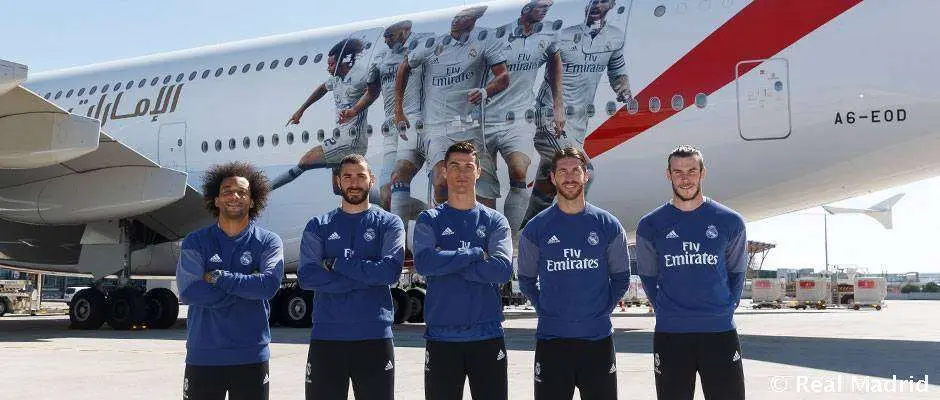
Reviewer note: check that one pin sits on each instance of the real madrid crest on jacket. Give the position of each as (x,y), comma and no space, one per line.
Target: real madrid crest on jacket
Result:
(463,301)
(349,260)
(696,262)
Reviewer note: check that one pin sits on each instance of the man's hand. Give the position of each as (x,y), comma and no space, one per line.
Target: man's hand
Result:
(402,123)
(625,96)
(328,264)
(559,124)
(295,119)
(476,96)
(211,276)
(347,115)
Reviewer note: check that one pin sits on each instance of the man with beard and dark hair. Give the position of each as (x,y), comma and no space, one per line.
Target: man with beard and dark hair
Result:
(692,257)
(464,249)
(578,255)
(349,256)
(227,273)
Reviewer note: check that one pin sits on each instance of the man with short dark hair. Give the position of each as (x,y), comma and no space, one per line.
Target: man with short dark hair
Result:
(352,97)
(692,257)
(348,257)
(574,267)
(227,273)
(464,249)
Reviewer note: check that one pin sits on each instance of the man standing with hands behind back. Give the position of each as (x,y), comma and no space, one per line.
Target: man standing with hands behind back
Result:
(464,249)
(227,273)
(692,257)
(578,255)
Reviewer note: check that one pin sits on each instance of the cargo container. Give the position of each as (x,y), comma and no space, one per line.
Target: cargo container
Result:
(815,292)
(870,292)
(767,292)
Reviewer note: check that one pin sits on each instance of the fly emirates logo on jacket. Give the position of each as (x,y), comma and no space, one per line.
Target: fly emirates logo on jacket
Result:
(691,255)
(571,261)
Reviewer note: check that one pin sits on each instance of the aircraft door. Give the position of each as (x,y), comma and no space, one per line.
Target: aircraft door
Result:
(763,91)
(171,147)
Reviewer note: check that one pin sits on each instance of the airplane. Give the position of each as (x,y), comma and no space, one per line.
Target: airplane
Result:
(794,104)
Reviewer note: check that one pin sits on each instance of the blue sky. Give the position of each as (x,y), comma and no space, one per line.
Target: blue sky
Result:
(48,35)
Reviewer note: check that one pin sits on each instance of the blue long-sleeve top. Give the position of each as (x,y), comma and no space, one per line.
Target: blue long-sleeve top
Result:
(574,268)
(227,322)
(692,264)
(465,255)
(352,300)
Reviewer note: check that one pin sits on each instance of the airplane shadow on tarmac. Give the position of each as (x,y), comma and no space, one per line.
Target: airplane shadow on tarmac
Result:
(872,357)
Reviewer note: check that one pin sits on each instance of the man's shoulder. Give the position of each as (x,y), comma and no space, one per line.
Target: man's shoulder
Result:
(385,217)
(198,235)
(266,236)
(725,214)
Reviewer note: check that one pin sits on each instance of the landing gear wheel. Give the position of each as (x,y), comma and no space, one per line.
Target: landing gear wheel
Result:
(295,307)
(856,307)
(126,308)
(88,309)
(401,304)
(416,300)
(877,308)
(162,308)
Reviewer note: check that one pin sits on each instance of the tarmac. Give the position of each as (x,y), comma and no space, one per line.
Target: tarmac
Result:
(788,354)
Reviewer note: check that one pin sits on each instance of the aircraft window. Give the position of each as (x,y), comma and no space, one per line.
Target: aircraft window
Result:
(429,43)
(273,64)
(369,130)
(659,11)
(482,36)
(218,72)
(260,66)
(81,92)
(142,83)
(218,145)
(166,79)
(288,62)
(231,144)
(654,104)
(317,58)
(205,74)
(205,146)
(633,106)
(589,110)
(701,100)
(70,93)
(419,126)
(611,108)
(117,86)
(246,142)
(105,88)
(569,111)
(275,140)
(180,77)
(386,129)
(260,140)
(193,75)
(678,103)
(246,68)
(129,85)
(232,69)
(681,8)
(154,81)
(48,95)
(529,116)
(305,137)
(302,60)
(93,90)
(337,133)
(57,95)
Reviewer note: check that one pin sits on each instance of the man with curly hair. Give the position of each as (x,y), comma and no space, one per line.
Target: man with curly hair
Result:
(227,273)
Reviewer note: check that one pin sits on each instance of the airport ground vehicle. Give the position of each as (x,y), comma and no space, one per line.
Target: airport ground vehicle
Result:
(18,297)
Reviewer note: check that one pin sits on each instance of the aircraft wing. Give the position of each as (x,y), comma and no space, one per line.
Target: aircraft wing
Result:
(59,174)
